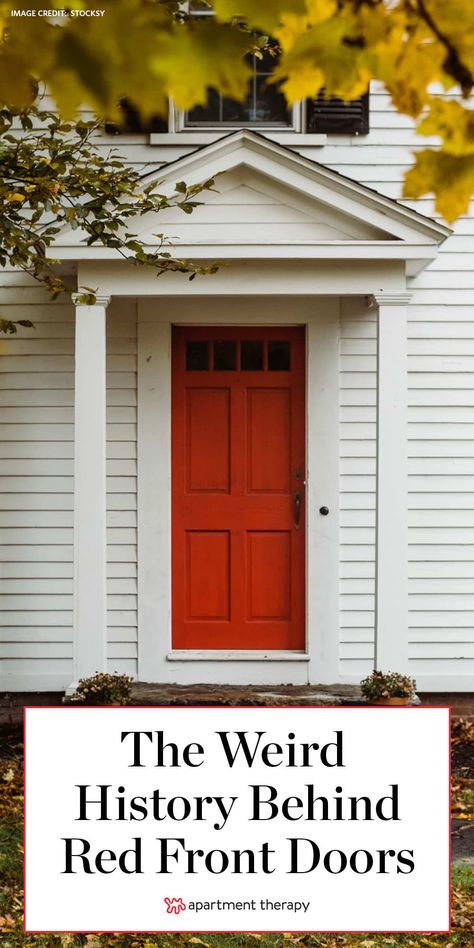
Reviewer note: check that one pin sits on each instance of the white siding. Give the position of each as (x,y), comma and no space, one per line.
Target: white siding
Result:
(357,360)
(36,483)
(441,436)
(36,487)
(441,465)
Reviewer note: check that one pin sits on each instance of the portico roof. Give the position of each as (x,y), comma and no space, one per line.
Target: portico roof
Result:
(270,203)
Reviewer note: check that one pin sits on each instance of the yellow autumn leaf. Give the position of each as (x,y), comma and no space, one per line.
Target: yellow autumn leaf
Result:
(264,15)
(15,196)
(412,73)
(324,50)
(449,177)
(453,123)
(187,64)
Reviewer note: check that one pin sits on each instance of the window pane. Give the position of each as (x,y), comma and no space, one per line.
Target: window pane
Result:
(279,356)
(270,105)
(237,112)
(208,113)
(224,356)
(197,356)
(263,105)
(251,356)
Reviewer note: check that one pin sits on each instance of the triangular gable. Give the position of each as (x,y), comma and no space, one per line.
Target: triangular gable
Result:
(268,196)
(309,179)
(249,206)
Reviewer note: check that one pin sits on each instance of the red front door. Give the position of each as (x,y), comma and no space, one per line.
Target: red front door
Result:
(238,472)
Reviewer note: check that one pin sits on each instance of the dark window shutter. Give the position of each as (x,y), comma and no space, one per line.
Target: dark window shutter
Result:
(133,124)
(336,117)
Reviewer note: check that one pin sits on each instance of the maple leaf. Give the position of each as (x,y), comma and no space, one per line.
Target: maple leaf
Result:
(453,123)
(449,177)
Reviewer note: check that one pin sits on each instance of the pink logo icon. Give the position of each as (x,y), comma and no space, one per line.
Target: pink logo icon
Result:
(174,906)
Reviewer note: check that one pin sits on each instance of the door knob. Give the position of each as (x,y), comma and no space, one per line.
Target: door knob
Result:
(324,511)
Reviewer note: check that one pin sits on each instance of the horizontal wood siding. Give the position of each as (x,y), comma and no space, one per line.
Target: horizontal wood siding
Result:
(440,437)
(357,408)
(36,487)
(441,476)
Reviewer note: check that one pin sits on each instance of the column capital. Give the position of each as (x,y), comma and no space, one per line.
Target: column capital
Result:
(100,300)
(392,299)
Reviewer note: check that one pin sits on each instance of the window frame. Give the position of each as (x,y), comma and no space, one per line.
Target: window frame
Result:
(178,123)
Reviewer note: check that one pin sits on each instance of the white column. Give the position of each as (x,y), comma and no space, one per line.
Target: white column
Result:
(391,596)
(90,613)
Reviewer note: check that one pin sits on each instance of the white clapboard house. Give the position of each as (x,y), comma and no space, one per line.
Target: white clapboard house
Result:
(265,475)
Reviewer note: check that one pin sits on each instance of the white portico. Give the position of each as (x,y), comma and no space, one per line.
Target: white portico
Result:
(296,241)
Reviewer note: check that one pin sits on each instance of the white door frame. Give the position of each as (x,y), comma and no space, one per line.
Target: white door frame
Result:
(156,659)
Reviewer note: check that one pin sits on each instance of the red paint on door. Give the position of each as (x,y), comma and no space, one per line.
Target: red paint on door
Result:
(238,463)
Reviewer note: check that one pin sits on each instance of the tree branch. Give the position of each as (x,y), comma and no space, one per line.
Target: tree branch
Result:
(453,63)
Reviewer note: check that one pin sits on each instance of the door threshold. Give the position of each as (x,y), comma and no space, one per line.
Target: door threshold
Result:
(234,655)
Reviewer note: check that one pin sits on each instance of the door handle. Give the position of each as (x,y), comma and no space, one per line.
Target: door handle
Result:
(297,508)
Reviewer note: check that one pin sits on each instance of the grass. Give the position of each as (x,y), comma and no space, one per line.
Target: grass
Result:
(11,842)
(463,877)
(11,896)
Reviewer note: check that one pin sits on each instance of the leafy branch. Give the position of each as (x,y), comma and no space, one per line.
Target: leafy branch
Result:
(453,64)
(53,176)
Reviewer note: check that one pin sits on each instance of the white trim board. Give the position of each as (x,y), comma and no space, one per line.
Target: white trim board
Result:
(239,278)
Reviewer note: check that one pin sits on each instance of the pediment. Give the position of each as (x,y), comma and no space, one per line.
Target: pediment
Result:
(249,206)
(269,201)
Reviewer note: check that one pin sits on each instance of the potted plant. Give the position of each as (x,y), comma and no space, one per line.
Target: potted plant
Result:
(101,689)
(388,688)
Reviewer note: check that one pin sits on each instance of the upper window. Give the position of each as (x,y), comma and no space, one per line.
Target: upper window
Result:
(264,104)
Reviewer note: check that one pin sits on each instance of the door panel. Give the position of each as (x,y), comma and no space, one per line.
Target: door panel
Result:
(208,443)
(207,575)
(269,572)
(269,440)
(238,460)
